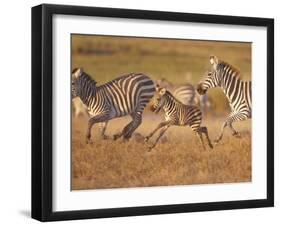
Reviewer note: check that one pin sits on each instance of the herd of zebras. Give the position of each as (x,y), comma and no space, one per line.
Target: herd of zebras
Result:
(182,106)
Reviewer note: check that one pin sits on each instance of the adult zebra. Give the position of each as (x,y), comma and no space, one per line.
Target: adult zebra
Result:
(79,109)
(126,95)
(238,92)
(177,114)
(185,94)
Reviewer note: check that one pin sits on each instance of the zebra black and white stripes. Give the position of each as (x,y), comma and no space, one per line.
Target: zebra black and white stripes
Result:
(238,92)
(125,95)
(177,114)
(185,94)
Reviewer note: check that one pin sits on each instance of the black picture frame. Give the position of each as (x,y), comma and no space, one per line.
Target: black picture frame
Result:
(42,111)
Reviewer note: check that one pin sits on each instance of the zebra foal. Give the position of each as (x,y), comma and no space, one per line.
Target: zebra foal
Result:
(176,114)
(126,95)
(186,94)
(237,91)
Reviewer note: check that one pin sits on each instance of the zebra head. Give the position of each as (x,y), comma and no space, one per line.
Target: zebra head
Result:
(164,83)
(78,80)
(76,73)
(211,78)
(158,100)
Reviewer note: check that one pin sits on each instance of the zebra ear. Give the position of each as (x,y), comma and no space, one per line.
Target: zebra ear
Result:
(157,87)
(162,91)
(214,61)
(77,72)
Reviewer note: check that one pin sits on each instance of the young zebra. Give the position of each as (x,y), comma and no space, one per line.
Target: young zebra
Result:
(176,114)
(186,94)
(237,91)
(126,95)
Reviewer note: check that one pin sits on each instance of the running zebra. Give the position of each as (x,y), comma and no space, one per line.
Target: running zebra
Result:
(186,94)
(79,109)
(126,95)
(176,114)
(237,91)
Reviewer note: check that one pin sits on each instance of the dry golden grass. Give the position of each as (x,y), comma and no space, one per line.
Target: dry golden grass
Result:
(179,161)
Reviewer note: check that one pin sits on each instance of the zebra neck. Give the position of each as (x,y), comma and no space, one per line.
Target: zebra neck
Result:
(88,93)
(231,88)
(169,104)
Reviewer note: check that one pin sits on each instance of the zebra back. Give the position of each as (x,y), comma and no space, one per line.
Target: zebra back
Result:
(124,95)
(177,112)
(185,94)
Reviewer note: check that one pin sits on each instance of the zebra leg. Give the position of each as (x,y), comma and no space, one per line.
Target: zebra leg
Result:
(103,126)
(137,120)
(234,132)
(240,116)
(199,135)
(235,117)
(76,112)
(160,125)
(221,133)
(91,122)
(130,128)
(160,135)
(205,131)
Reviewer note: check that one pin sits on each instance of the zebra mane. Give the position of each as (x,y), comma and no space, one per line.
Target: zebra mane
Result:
(74,70)
(88,78)
(223,64)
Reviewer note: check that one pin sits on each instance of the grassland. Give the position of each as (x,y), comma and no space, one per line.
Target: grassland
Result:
(179,160)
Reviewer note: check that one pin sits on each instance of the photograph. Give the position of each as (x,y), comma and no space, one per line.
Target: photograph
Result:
(159,112)
(141,112)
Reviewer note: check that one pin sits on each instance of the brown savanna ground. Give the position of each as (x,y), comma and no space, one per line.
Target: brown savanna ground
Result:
(177,161)
(180,160)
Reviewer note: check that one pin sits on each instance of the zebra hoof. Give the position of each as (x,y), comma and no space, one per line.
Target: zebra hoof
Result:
(104,137)
(89,141)
(215,142)
(150,148)
(237,135)
(125,139)
(116,136)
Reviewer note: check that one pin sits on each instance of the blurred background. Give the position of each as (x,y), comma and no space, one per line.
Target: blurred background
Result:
(177,61)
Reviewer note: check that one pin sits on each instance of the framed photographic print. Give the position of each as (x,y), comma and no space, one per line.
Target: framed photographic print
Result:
(146,112)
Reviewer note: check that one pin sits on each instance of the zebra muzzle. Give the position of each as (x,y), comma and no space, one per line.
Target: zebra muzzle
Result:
(201,90)
(154,109)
